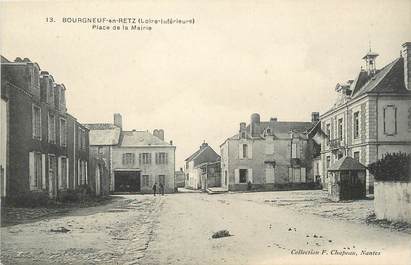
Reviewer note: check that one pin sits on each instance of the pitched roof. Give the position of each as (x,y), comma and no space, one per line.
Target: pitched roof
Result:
(390,79)
(103,133)
(346,163)
(282,127)
(140,138)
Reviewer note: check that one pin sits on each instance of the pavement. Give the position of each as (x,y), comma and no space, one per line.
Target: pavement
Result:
(177,229)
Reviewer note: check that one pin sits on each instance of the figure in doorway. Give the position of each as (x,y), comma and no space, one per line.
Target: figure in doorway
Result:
(155,188)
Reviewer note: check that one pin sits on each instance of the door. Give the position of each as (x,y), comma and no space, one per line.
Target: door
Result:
(98,180)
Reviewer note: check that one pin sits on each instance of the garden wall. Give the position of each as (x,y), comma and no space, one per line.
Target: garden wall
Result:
(392,200)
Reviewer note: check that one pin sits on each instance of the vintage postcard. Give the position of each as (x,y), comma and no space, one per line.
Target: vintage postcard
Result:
(205,132)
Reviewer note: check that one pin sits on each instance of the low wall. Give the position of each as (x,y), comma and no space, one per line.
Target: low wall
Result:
(275,187)
(392,200)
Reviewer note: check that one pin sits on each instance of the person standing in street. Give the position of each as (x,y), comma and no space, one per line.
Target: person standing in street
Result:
(155,188)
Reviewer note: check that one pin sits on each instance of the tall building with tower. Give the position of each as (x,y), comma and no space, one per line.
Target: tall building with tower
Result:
(371,115)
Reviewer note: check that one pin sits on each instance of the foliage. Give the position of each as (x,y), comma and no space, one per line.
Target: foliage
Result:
(31,199)
(221,233)
(392,167)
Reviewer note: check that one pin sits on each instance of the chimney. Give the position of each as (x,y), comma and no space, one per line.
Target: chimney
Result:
(254,122)
(273,119)
(161,134)
(118,121)
(406,54)
(315,116)
(171,142)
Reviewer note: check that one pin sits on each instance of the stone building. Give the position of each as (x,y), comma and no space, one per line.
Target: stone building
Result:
(196,167)
(270,155)
(103,137)
(47,148)
(3,145)
(372,114)
(136,159)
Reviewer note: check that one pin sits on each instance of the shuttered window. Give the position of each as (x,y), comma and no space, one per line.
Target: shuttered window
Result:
(52,128)
(63,132)
(145,158)
(35,170)
(145,180)
(356,124)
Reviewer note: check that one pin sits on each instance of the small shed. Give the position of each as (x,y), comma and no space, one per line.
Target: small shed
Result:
(347,180)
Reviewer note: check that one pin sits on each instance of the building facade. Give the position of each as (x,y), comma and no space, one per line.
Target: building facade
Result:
(196,165)
(3,145)
(47,148)
(268,155)
(142,159)
(135,159)
(371,116)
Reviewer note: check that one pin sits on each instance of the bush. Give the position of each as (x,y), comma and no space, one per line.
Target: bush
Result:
(69,196)
(392,167)
(30,199)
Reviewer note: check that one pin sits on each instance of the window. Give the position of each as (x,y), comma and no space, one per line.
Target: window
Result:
(36,123)
(161,158)
(356,124)
(357,156)
(340,129)
(145,158)
(50,92)
(161,179)
(145,180)
(128,159)
(243,135)
(328,162)
(390,120)
(294,150)
(63,132)
(52,128)
(243,175)
(81,139)
(245,150)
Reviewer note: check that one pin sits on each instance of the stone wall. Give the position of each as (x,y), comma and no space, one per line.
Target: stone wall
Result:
(392,200)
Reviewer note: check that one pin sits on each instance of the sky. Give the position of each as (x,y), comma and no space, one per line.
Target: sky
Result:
(199,81)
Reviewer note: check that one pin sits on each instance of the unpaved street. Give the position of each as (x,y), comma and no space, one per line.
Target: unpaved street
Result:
(177,229)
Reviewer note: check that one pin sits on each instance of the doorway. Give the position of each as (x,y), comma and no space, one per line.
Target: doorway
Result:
(127,181)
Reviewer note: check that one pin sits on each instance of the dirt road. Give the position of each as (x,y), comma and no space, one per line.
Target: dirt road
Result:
(177,229)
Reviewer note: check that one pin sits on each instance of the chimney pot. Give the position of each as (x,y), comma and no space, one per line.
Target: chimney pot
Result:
(315,116)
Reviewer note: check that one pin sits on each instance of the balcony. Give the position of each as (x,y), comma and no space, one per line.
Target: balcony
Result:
(336,143)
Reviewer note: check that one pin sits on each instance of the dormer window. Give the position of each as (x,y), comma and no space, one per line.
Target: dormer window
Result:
(243,135)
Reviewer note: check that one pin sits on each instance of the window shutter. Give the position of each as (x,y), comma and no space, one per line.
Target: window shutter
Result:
(156,158)
(149,158)
(31,171)
(290,175)
(43,171)
(124,159)
(250,151)
(78,173)
(86,171)
(67,174)
(59,166)
(250,175)
(166,157)
(303,172)
(237,176)
(139,159)
(240,151)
